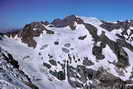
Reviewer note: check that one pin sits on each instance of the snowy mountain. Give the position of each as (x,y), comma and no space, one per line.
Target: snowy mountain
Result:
(71,53)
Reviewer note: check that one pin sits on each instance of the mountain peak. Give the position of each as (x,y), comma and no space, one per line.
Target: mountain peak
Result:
(74,53)
(67,21)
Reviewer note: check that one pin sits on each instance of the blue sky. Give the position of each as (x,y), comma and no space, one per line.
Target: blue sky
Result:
(17,13)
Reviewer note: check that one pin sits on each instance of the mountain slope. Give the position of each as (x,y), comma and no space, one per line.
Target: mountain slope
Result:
(72,53)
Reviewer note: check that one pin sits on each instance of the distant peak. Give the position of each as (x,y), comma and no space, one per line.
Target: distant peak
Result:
(67,21)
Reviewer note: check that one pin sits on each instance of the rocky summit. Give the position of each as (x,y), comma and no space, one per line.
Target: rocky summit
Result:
(71,53)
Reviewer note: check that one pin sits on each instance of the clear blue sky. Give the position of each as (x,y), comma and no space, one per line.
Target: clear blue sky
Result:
(17,13)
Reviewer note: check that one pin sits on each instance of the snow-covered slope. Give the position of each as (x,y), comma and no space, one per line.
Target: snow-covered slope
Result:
(72,53)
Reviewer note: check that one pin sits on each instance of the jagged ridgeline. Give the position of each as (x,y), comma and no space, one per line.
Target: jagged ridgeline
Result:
(71,53)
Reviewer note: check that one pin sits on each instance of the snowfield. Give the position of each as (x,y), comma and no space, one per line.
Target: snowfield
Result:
(67,48)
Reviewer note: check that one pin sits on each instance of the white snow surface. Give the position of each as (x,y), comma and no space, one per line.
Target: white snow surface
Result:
(33,65)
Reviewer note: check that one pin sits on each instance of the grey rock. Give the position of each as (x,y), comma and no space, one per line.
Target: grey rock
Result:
(47,65)
(53,62)
(67,45)
(65,50)
(87,62)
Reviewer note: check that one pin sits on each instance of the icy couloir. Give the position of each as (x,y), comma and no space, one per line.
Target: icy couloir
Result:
(71,53)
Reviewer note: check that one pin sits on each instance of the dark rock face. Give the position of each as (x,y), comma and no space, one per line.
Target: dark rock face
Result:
(101,79)
(11,73)
(56,42)
(28,33)
(1,36)
(11,60)
(87,62)
(67,21)
(115,46)
(53,62)
(124,26)
(33,30)
(47,65)
(82,37)
(97,51)
(59,75)
(87,78)
(109,81)
(111,26)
